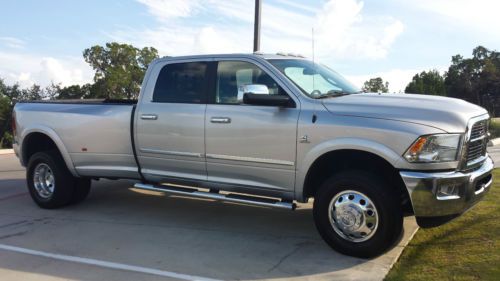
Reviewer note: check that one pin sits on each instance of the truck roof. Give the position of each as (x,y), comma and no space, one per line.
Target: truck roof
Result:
(265,56)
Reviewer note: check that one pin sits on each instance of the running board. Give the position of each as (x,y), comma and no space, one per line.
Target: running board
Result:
(259,201)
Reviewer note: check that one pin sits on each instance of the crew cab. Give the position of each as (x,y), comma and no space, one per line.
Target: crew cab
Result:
(269,130)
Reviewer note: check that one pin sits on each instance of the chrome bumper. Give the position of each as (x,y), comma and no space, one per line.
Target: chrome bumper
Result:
(468,188)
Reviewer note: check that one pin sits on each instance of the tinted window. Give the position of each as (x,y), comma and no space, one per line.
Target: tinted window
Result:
(181,83)
(232,75)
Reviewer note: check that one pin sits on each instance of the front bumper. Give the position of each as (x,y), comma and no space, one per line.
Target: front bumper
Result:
(468,189)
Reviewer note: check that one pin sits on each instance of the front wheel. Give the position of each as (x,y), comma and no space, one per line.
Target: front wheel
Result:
(357,214)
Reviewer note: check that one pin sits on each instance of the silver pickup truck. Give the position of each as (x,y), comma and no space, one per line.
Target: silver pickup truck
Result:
(269,130)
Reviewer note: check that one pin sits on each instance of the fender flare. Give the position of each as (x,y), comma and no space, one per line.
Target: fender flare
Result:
(49,132)
(338,144)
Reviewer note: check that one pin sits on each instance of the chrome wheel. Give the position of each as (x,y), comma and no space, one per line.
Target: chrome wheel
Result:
(353,216)
(44,181)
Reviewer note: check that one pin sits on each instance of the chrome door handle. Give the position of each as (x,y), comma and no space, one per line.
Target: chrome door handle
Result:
(149,116)
(221,120)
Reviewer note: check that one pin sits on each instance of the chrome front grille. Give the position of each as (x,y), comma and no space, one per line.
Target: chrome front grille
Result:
(476,148)
(479,129)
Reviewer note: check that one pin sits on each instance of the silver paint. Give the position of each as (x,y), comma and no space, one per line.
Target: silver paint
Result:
(259,146)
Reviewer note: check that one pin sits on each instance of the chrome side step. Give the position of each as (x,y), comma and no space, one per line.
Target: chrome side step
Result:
(259,201)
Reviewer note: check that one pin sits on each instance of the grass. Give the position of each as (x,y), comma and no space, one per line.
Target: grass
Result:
(495,128)
(467,248)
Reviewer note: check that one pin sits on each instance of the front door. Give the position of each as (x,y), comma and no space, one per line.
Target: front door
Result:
(248,145)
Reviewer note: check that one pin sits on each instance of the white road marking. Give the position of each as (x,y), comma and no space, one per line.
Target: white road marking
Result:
(105,264)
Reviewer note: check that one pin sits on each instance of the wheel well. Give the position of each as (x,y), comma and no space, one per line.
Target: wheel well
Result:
(340,160)
(37,142)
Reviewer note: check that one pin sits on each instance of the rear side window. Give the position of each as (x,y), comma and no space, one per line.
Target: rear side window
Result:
(181,83)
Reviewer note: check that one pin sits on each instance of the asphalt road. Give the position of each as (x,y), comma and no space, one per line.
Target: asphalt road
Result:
(121,233)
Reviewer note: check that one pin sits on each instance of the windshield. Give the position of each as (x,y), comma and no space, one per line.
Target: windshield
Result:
(315,80)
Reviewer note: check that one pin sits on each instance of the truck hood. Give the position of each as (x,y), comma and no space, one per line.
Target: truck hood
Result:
(448,114)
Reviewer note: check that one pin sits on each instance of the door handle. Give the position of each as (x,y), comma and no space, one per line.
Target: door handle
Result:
(149,116)
(220,120)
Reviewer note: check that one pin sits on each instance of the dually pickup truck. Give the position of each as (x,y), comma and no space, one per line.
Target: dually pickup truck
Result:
(268,130)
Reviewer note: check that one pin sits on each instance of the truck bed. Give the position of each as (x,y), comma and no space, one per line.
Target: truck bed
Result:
(95,133)
(86,101)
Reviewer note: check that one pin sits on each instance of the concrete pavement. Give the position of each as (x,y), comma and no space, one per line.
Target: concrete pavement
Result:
(193,238)
(494,152)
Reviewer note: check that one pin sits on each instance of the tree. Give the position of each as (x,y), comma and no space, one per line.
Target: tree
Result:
(7,95)
(75,92)
(476,79)
(119,68)
(428,83)
(376,85)
(5,108)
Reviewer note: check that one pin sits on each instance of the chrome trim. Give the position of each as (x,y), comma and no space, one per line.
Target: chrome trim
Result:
(250,159)
(484,187)
(463,165)
(478,160)
(173,153)
(480,138)
(259,201)
(423,187)
(44,180)
(149,117)
(107,168)
(220,120)
(353,216)
(449,197)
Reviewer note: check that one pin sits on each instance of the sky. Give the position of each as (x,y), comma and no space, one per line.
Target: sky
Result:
(42,41)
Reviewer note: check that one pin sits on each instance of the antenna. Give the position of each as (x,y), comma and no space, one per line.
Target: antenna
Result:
(314,117)
(314,62)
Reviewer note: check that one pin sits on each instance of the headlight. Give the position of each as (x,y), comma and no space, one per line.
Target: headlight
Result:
(434,148)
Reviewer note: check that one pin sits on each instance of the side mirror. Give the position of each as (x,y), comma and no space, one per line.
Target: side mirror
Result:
(257,89)
(268,100)
(257,94)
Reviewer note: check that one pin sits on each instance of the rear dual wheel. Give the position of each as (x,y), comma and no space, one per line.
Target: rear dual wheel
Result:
(358,214)
(51,184)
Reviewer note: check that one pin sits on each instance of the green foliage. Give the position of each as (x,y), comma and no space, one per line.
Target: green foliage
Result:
(376,85)
(495,128)
(7,140)
(9,95)
(428,83)
(5,109)
(76,92)
(476,79)
(119,68)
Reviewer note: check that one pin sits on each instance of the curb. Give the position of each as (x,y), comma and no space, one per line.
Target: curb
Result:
(494,142)
(6,151)
(412,228)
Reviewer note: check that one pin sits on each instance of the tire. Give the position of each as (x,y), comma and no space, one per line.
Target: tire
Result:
(82,190)
(367,218)
(63,182)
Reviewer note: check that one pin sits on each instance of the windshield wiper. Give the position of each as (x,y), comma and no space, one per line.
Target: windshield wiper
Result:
(332,94)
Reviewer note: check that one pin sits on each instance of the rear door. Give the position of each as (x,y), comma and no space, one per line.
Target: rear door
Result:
(170,126)
(248,145)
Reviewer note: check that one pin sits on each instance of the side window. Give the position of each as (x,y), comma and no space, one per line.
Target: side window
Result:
(232,75)
(181,83)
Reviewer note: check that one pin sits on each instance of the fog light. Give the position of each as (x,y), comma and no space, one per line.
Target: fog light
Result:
(447,191)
